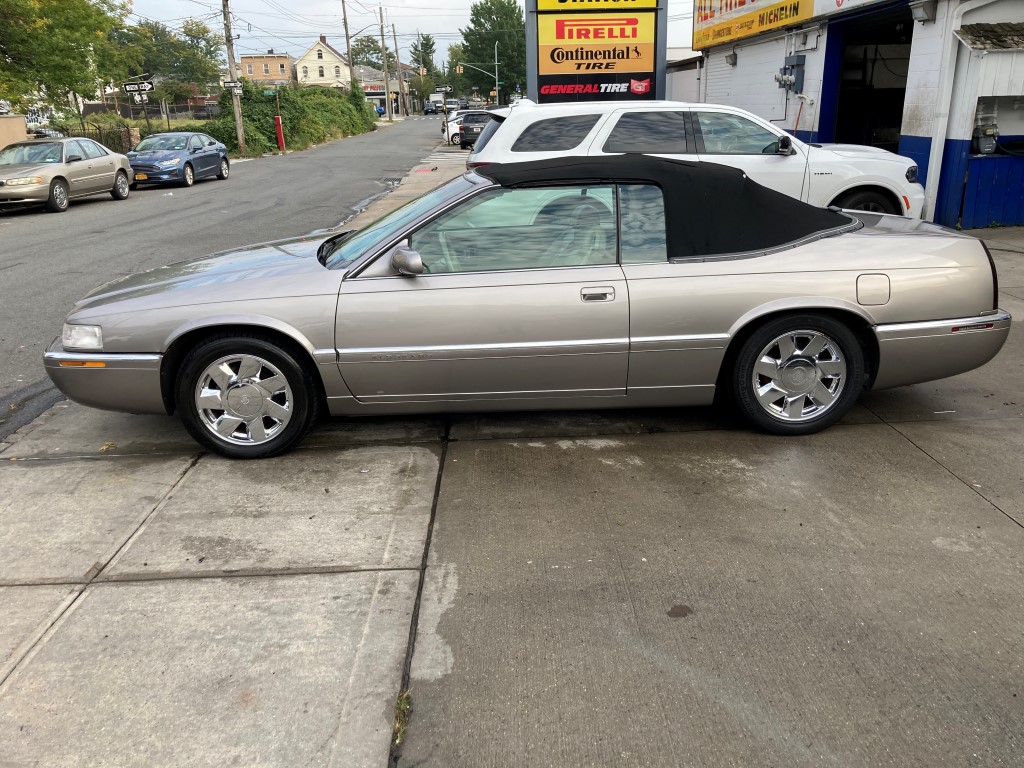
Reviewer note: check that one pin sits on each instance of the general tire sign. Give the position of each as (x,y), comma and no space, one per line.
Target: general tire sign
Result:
(590,50)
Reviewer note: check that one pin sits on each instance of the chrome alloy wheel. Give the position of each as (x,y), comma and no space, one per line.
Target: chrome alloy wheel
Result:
(60,196)
(122,185)
(243,399)
(799,375)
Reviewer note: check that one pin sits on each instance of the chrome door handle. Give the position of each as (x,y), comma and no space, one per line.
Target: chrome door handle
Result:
(598,293)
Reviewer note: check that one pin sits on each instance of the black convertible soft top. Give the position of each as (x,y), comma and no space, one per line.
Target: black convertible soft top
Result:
(709,208)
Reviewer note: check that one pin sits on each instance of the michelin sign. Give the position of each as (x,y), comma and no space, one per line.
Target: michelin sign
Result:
(589,50)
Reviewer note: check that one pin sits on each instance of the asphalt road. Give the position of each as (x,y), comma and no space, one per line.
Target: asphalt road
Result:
(48,261)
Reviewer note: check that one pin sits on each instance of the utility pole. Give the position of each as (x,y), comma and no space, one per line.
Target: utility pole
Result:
(236,103)
(497,89)
(401,80)
(348,48)
(423,74)
(384,56)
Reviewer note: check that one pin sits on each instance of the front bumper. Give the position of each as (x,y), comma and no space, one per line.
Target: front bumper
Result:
(914,196)
(157,175)
(27,193)
(114,382)
(912,353)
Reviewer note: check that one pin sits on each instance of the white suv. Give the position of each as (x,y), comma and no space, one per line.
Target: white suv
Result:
(847,175)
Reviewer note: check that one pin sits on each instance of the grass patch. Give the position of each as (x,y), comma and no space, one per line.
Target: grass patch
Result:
(403,710)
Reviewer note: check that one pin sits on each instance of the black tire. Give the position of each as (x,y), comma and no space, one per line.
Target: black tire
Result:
(463,145)
(133,186)
(225,169)
(188,175)
(122,187)
(302,401)
(868,200)
(801,371)
(58,200)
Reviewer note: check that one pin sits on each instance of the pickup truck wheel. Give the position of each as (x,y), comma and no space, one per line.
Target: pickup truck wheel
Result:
(798,375)
(245,397)
(867,200)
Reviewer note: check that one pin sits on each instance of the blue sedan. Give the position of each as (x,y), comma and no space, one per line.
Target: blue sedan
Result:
(178,158)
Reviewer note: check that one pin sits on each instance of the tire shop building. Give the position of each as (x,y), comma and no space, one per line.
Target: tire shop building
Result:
(939,81)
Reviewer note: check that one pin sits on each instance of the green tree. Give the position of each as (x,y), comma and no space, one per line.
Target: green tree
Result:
(460,82)
(423,50)
(181,64)
(501,22)
(366,51)
(50,49)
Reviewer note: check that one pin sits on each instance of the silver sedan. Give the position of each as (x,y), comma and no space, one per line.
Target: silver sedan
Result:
(576,283)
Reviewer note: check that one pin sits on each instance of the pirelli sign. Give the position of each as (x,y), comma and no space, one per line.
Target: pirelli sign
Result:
(595,50)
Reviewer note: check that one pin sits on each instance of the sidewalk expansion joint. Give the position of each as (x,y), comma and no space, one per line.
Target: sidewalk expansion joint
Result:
(395,753)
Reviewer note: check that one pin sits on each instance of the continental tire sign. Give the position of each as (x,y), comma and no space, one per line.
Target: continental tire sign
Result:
(582,50)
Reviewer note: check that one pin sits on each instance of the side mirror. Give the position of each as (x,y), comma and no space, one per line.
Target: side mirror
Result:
(74,158)
(406,261)
(785,145)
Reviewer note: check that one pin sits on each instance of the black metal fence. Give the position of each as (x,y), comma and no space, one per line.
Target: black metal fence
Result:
(118,139)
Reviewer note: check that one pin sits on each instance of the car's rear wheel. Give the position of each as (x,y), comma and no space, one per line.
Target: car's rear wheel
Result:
(188,175)
(122,187)
(798,375)
(867,200)
(245,397)
(225,169)
(58,200)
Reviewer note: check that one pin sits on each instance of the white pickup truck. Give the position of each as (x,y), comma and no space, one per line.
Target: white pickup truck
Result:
(848,175)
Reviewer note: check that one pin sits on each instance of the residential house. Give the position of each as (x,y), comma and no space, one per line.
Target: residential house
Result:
(322,65)
(270,68)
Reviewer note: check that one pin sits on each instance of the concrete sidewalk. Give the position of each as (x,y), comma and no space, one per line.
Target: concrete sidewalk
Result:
(635,588)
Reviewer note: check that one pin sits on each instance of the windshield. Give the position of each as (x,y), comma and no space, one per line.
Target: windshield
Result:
(43,152)
(151,143)
(350,248)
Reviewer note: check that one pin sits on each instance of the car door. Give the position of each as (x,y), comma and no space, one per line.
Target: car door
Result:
(521,298)
(103,165)
(79,173)
(736,140)
(662,132)
(200,156)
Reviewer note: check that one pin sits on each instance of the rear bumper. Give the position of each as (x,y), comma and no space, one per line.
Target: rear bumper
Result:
(912,353)
(122,383)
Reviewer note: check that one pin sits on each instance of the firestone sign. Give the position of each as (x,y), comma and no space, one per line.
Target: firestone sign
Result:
(587,50)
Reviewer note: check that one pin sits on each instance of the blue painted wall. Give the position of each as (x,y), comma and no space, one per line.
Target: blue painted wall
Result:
(994,191)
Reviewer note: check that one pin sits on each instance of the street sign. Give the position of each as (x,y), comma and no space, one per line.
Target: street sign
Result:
(143,86)
(443,89)
(269,91)
(233,84)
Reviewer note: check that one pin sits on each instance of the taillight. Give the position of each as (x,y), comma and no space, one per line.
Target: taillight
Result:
(476,164)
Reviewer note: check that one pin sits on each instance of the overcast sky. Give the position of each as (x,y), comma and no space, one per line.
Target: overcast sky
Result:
(291,26)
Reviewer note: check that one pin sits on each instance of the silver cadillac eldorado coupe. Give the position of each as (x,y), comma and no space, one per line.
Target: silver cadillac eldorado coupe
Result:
(571,283)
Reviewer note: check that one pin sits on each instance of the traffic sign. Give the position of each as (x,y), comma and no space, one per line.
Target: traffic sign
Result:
(142,86)
(233,84)
(269,91)
(443,89)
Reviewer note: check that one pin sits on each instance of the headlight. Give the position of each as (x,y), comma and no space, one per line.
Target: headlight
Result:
(912,174)
(24,180)
(169,163)
(82,337)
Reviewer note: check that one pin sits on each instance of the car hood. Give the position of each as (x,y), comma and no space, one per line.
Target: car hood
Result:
(270,270)
(861,152)
(155,155)
(18,170)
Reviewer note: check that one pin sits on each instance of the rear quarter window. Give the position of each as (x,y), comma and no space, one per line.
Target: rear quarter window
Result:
(650,132)
(556,134)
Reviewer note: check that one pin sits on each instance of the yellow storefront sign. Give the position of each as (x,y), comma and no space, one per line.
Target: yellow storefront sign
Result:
(706,32)
(594,5)
(568,59)
(595,30)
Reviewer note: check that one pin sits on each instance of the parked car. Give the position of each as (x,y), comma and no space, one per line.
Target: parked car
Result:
(451,128)
(430,108)
(178,158)
(55,171)
(463,103)
(472,126)
(604,282)
(846,175)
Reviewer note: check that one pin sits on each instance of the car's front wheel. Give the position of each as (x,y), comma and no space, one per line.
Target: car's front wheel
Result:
(122,187)
(246,397)
(57,202)
(188,175)
(225,169)
(867,200)
(798,375)
(455,138)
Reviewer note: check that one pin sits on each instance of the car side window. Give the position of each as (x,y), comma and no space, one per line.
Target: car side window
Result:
(726,134)
(195,143)
(541,228)
(651,132)
(91,148)
(642,224)
(207,140)
(73,148)
(557,134)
